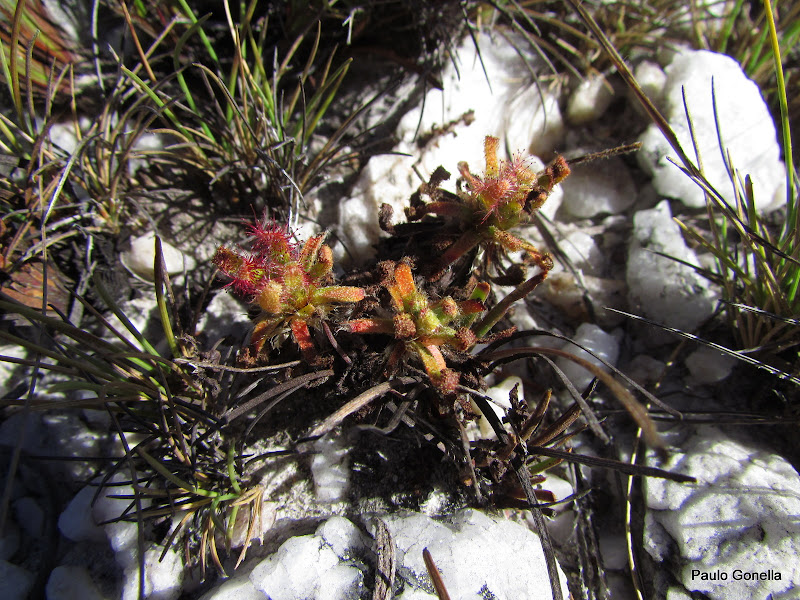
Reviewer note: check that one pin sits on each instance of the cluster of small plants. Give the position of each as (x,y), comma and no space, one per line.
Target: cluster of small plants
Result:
(249,127)
(291,281)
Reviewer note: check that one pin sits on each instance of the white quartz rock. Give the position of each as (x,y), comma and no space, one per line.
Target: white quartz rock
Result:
(589,100)
(748,131)
(225,317)
(478,556)
(140,258)
(71,583)
(121,534)
(509,105)
(25,427)
(583,252)
(235,588)
(660,288)
(162,578)
(76,522)
(313,566)
(15,582)
(601,186)
(387,179)
(740,517)
(707,365)
(330,469)
(651,79)
(602,344)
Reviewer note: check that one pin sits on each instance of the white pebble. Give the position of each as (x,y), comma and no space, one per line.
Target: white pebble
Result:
(747,131)
(76,522)
(330,469)
(15,582)
(589,100)
(591,337)
(599,187)
(740,514)
(162,578)
(709,366)
(71,583)
(660,288)
(140,258)
(583,252)
(235,588)
(651,79)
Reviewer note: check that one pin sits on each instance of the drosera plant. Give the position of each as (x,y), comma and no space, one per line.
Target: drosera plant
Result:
(507,194)
(291,283)
(423,327)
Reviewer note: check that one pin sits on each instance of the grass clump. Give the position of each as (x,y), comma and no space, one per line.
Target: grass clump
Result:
(243,99)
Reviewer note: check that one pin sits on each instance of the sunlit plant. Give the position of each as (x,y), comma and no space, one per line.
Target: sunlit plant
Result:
(507,194)
(422,327)
(291,283)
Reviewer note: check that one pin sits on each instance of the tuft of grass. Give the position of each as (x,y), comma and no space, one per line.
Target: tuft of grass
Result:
(250,123)
(34,51)
(166,418)
(247,123)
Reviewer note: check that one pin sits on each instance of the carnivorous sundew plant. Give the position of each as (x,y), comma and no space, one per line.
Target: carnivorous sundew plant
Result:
(289,282)
(506,195)
(423,327)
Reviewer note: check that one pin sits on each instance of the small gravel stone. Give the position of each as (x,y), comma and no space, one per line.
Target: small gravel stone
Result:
(15,582)
(140,258)
(661,288)
(71,583)
(708,365)
(589,100)
(740,517)
(599,187)
(747,131)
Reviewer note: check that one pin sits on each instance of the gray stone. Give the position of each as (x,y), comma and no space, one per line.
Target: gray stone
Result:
(660,288)
(602,186)
(748,131)
(739,518)
(15,582)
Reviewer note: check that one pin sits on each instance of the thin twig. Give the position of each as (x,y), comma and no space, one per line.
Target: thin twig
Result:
(295,383)
(358,403)
(436,577)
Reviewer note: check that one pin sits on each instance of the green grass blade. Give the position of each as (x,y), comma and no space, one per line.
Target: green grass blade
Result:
(791,200)
(114,308)
(171,477)
(163,106)
(160,271)
(187,10)
(187,93)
